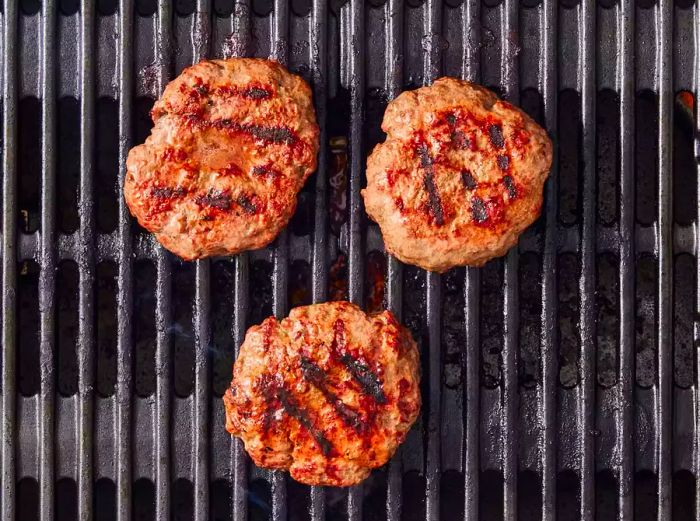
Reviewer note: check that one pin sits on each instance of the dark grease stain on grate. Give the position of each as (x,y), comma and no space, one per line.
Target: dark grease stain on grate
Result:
(222,348)
(67,326)
(568,272)
(569,155)
(29,163)
(453,334)
(646,155)
(608,153)
(28,329)
(645,324)
(491,323)
(529,362)
(107,165)
(684,299)
(106,328)
(68,166)
(144,327)
(608,324)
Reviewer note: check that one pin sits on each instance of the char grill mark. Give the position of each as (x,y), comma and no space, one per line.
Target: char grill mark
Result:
(496,136)
(247,205)
(294,410)
(363,375)
(434,202)
(503,162)
(167,192)
(215,199)
(276,135)
(468,180)
(457,137)
(510,187)
(479,212)
(317,377)
(257,93)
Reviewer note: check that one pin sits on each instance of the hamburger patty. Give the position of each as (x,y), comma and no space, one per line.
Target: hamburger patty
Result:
(233,142)
(459,177)
(327,393)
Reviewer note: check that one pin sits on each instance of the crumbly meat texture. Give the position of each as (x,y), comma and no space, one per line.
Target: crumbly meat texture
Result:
(233,142)
(459,177)
(328,393)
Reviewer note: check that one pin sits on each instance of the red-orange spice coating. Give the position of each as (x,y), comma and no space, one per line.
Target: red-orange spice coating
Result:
(459,176)
(327,393)
(233,142)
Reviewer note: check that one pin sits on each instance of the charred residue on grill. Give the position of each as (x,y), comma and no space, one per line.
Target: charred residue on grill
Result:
(503,162)
(510,187)
(214,199)
(468,180)
(369,382)
(479,212)
(245,202)
(434,202)
(496,136)
(295,411)
(318,378)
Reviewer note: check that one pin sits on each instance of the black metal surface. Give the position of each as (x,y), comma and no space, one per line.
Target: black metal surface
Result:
(558,383)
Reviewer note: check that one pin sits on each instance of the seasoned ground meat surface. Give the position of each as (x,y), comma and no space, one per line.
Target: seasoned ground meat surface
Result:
(233,142)
(327,393)
(459,177)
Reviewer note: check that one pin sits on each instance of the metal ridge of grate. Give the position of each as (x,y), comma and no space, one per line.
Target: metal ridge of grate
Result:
(509,437)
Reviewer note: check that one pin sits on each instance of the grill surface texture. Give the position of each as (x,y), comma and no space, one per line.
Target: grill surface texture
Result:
(559,382)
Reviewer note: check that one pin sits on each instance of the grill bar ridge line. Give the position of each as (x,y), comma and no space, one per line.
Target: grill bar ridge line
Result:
(625,387)
(696,401)
(162,421)
(125,267)
(318,36)
(548,388)
(86,265)
(9,262)
(47,273)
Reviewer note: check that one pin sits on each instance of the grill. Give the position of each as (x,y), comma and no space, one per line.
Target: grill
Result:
(559,382)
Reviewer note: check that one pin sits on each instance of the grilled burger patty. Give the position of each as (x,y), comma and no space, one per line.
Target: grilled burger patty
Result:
(459,177)
(328,393)
(233,142)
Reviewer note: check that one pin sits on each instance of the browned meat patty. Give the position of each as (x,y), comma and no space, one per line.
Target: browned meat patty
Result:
(328,393)
(459,177)
(233,142)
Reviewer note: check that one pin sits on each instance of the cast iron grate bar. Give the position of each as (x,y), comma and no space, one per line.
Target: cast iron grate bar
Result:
(202,388)
(664,405)
(318,33)
(9,261)
(548,389)
(162,421)
(123,453)
(432,62)
(509,417)
(625,416)
(586,388)
(279,52)
(47,275)
(86,265)
(355,249)
(696,87)
(471,57)
(393,70)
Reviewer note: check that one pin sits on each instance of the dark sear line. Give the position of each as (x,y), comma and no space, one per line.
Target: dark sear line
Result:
(276,135)
(295,411)
(479,212)
(468,180)
(247,205)
(496,136)
(317,377)
(510,187)
(166,192)
(369,382)
(503,162)
(434,202)
(257,93)
(214,199)
(457,137)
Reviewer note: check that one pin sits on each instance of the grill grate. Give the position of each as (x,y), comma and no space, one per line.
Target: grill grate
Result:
(559,382)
